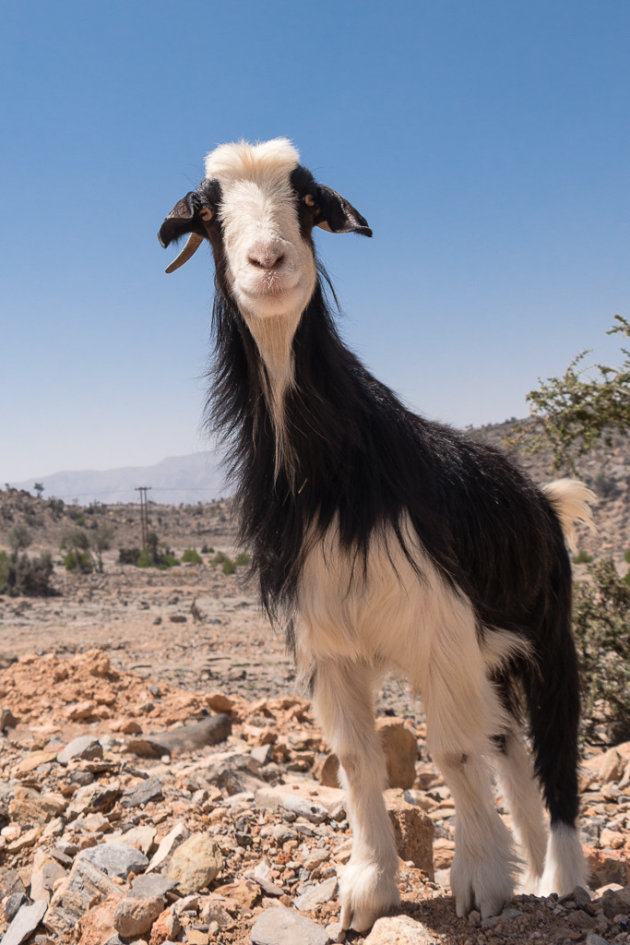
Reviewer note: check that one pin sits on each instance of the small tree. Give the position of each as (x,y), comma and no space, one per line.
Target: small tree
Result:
(39,488)
(76,544)
(575,411)
(101,540)
(19,539)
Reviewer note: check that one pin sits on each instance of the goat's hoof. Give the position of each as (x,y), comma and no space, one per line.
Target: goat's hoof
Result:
(366,893)
(485,885)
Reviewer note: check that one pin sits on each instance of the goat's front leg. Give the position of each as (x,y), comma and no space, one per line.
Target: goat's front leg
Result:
(343,703)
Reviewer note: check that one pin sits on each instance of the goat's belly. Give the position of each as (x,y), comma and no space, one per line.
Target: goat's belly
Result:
(380,610)
(386,612)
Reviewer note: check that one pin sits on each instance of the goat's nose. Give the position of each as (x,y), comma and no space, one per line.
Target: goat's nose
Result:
(266,257)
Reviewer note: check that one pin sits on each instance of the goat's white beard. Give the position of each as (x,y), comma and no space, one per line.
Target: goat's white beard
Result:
(273,335)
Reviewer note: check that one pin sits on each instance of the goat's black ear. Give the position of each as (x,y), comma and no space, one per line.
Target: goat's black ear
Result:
(336,214)
(183,218)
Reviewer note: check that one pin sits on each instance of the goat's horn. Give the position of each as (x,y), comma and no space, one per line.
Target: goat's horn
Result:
(191,247)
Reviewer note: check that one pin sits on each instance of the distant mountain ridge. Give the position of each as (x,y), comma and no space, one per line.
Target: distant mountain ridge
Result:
(197,477)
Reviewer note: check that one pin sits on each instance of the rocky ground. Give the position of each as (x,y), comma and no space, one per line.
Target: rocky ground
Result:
(162,782)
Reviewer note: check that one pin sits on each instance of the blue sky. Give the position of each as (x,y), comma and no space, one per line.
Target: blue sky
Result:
(486,143)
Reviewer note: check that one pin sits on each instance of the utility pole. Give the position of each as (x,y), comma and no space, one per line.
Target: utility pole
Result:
(144,514)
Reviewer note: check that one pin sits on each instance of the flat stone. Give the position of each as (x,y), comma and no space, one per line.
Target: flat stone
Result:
(33,761)
(400,930)
(195,863)
(317,895)
(85,746)
(149,790)
(151,885)
(25,922)
(281,926)
(305,798)
(115,859)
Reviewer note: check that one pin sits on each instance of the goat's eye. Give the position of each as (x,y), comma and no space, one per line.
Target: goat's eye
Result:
(309,200)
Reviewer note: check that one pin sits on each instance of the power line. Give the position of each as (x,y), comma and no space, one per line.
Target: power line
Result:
(144,514)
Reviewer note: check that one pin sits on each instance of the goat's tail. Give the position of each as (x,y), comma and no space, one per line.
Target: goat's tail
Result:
(571,500)
(552,689)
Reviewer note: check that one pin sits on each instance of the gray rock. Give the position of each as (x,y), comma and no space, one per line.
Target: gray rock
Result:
(261,874)
(115,859)
(591,939)
(303,808)
(85,746)
(94,797)
(209,731)
(149,790)
(281,926)
(150,885)
(14,903)
(316,895)
(25,922)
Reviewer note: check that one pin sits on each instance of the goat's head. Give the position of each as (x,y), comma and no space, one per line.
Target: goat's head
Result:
(257,206)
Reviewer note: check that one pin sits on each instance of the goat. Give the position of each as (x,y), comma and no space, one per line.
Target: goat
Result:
(386,541)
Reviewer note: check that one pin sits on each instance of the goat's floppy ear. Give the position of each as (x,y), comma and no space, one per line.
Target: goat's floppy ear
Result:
(335,214)
(186,217)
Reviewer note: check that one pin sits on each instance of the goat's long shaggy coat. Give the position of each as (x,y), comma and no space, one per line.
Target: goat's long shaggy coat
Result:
(386,540)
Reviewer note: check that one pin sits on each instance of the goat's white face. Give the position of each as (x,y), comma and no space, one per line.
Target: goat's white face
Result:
(270,266)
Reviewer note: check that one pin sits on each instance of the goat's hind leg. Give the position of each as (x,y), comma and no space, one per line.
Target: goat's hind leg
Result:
(460,713)
(523,799)
(343,702)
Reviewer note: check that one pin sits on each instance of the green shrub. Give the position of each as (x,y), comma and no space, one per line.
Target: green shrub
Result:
(229,566)
(24,576)
(77,560)
(627,556)
(168,560)
(602,631)
(144,559)
(242,558)
(207,549)
(191,556)
(219,558)
(582,557)
(128,555)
